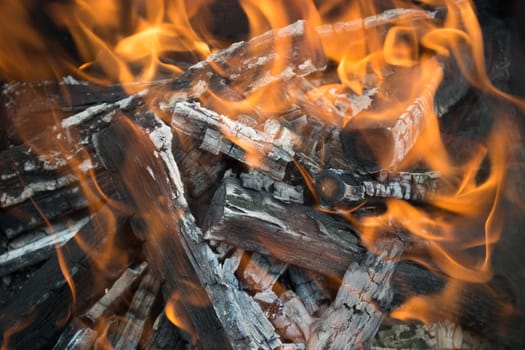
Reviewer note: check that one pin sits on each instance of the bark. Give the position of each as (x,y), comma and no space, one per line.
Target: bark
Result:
(292,233)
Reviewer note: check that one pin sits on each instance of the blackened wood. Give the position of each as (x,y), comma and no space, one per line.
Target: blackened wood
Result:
(336,187)
(165,336)
(293,233)
(34,106)
(34,317)
(76,336)
(199,169)
(54,205)
(221,134)
(374,144)
(311,288)
(355,315)
(174,246)
(246,67)
(40,248)
(57,156)
(116,292)
(130,328)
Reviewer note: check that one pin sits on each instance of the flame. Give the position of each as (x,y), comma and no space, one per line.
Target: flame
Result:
(144,40)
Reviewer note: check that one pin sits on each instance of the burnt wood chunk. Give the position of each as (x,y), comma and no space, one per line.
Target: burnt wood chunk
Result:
(248,66)
(129,329)
(140,159)
(34,317)
(165,336)
(76,336)
(293,233)
(39,247)
(376,143)
(120,287)
(337,187)
(355,315)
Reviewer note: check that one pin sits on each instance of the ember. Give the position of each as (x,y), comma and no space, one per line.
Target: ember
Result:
(259,175)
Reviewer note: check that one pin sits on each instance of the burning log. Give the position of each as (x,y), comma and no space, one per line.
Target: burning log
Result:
(76,337)
(52,205)
(206,125)
(311,288)
(184,260)
(354,317)
(374,144)
(39,248)
(246,67)
(121,285)
(30,319)
(334,187)
(306,237)
(129,329)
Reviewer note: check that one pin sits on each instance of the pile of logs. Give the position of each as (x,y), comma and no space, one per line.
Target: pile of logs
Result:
(163,220)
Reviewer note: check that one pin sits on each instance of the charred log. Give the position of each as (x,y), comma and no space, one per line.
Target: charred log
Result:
(184,261)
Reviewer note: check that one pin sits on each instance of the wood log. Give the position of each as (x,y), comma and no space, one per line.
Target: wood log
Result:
(336,187)
(49,101)
(39,248)
(206,125)
(116,292)
(34,317)
(76,336)
(355,316)
(293,233)
(175,249)
(312,291)
(53,205)
(374,144)
(246,67)
(130,328)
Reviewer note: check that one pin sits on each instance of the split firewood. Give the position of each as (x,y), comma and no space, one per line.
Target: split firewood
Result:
(225,316)
(282,191)
(200,170)
(261,272)
(30,319)
(374,144)
(116,292)
(311,288)
(53,206)
(26,253)
(129,329)
(293,233)
(49,101)
(42,164)
(76,336)
(287,314)
(246,67)
(335,187)
(355,315)
(275,151)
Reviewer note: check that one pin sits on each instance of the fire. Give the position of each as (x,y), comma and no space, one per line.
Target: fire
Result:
(147,40)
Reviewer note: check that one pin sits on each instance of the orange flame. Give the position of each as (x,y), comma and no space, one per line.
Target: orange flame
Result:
(143,40)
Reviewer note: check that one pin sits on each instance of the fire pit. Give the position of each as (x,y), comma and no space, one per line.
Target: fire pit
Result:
(255,175)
